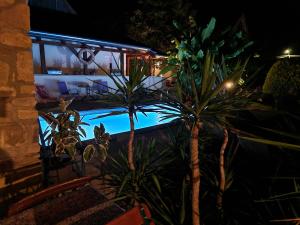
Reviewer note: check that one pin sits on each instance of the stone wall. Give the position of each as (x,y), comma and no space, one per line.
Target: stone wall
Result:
(18,118)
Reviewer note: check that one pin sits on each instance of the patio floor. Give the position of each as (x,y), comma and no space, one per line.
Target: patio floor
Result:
(85,205)
(91,204)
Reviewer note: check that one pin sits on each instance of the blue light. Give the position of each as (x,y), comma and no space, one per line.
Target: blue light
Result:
(54,72)
(114,124)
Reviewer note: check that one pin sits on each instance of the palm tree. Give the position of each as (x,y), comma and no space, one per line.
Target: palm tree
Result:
(201,97)
(222,179)
(131,94)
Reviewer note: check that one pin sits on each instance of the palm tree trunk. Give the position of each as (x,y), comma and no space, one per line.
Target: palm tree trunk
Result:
(194,146)
(222,170)
(130,143)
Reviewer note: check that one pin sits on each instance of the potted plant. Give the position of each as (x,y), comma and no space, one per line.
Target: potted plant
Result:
(64,138)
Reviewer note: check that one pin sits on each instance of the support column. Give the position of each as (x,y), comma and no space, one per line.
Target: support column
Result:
(43,58)
(122,63)
(18,117)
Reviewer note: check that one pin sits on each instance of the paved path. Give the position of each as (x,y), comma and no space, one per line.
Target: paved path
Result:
(84,206)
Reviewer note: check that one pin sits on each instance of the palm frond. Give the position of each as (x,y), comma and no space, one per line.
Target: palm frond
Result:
(271,142)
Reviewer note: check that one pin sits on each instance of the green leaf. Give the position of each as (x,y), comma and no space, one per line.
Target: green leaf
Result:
(97,132)
(200,54)
(156,182)
(69,140)
(119,198)
(113,113)
(181,54)
(102,128)
(167,69)
(207,73)
(46,133)
(59,148)
(176,25)
(220,44)
(76,117)
(88,152)
(64,104)
(271,142)
(183,203)
(102,151)
(82,131)
(71,150)
(206,33)
(286,134)
(239,34)
(84,123)
(124,182)
(50,119)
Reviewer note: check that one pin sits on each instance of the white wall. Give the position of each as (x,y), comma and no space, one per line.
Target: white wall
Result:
(50,82)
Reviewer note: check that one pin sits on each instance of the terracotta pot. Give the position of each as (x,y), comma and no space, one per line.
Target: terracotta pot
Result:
(133,217)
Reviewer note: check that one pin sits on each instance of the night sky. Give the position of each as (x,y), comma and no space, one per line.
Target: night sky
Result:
(272,25)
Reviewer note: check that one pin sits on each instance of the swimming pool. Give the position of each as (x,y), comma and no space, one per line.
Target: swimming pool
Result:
(117,123)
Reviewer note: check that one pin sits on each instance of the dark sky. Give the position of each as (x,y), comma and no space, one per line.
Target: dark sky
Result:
(273,25)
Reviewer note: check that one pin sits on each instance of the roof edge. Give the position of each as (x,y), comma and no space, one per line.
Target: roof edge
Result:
(42,34)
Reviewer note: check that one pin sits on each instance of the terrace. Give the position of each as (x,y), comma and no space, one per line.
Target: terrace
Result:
(99,129)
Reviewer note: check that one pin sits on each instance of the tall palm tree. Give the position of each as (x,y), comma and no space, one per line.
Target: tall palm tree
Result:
(201,97)
(222,178)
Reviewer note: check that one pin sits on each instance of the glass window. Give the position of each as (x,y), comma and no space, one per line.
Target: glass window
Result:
(36,59)
(107,61)
(61,60)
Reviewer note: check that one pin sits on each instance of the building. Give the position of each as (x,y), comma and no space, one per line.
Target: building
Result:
(76,60)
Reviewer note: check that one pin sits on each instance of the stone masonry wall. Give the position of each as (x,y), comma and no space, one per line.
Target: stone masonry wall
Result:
(18,118)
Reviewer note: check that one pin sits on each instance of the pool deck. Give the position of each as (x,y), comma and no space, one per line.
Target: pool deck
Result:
(79,105)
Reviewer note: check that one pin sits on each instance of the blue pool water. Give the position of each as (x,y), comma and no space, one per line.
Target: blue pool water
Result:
(114,124)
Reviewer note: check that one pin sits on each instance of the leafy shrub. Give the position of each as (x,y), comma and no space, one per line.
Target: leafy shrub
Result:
(64,135)
(283,78)
(136,186)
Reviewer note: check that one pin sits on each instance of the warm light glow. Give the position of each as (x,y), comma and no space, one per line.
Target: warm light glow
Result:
(287,51)
(229,85)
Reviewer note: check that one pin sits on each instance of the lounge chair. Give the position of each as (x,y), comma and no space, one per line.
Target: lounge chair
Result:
(100,87)
(43,95)
(64,91)
(104,87)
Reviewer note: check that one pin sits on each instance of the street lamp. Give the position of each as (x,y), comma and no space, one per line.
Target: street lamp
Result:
(287,52)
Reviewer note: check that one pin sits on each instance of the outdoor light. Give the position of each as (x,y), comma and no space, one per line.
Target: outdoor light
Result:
(228,85)
(287,51)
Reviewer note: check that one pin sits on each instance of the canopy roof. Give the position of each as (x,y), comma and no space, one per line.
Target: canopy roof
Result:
(87,41)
